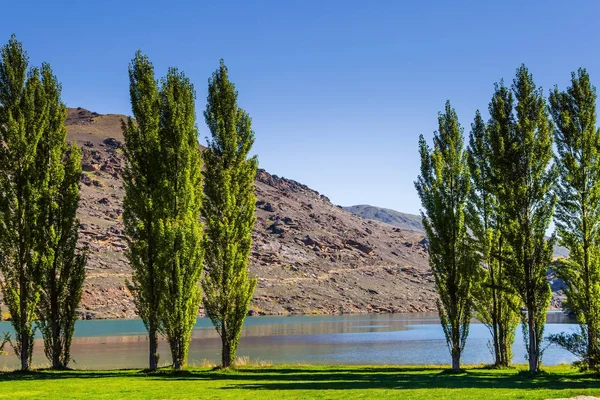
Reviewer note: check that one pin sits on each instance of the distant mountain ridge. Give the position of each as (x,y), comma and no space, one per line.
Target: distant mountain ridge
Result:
(410,222)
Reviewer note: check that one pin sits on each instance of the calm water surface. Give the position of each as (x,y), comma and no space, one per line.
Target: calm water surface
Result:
(345,339)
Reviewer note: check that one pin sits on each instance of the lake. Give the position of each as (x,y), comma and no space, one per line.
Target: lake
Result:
(415,338)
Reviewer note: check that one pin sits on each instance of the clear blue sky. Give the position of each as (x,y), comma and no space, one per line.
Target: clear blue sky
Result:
(338,91)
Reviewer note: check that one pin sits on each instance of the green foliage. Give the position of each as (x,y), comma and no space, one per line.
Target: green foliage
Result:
(39,184)
(578,210)
(228,209)
(163,194)
(62,267)
(495,304)
(444,188)
(180,254)
(142,181)
(577,344)
(521,148)
(24,115)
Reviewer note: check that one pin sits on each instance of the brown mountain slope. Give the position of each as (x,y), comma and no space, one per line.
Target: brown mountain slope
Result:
(309,255)
(413,223)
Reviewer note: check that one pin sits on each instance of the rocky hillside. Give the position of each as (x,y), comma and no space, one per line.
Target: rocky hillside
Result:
(310,256)
(413,223)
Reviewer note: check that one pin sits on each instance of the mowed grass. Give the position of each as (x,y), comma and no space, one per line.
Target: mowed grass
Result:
(301,382)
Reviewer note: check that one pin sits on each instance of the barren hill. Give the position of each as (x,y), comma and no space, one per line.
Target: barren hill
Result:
(414,223)
(310,256)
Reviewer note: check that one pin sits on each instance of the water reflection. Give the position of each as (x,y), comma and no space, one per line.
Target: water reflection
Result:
(346,339)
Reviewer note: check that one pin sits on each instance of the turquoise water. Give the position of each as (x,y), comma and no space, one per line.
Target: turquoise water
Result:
(345,339)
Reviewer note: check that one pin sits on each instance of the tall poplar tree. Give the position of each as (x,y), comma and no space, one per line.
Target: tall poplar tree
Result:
(180,227)
(141,206)
(521,144)
(496,305)
(23,121)
(444,188)
(578,210)
(163,194)
(228,209)
(62,267)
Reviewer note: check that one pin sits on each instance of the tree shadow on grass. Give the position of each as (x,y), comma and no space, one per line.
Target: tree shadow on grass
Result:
(51,375)
(409,380)
(336,370)
(339,378)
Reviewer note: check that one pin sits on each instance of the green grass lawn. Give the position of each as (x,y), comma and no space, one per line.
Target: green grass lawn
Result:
(301,382)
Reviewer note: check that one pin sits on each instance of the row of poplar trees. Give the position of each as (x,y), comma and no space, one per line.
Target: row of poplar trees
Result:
(42,269)
(487,207)
(187,212)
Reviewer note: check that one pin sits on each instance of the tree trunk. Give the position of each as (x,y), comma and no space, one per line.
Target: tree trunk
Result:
(56,342)
(56,346)
(226,350)
(56,364)
(496,330)
(176,353)
(153,346)
(455,360)
(504,361)
(456,347)
(497,346)
(592,350)
(24,334)
(177,364)
(24,352)
(501,318)
(533,348)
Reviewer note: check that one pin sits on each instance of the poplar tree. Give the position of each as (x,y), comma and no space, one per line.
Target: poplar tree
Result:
(180,227)
(578,209)
(521,144)
(23,121)
(141,206)
(228,209)
(62,267)
(444,188)
(496,305)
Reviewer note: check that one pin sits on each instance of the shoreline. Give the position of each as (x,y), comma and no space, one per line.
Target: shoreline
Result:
(293,314)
